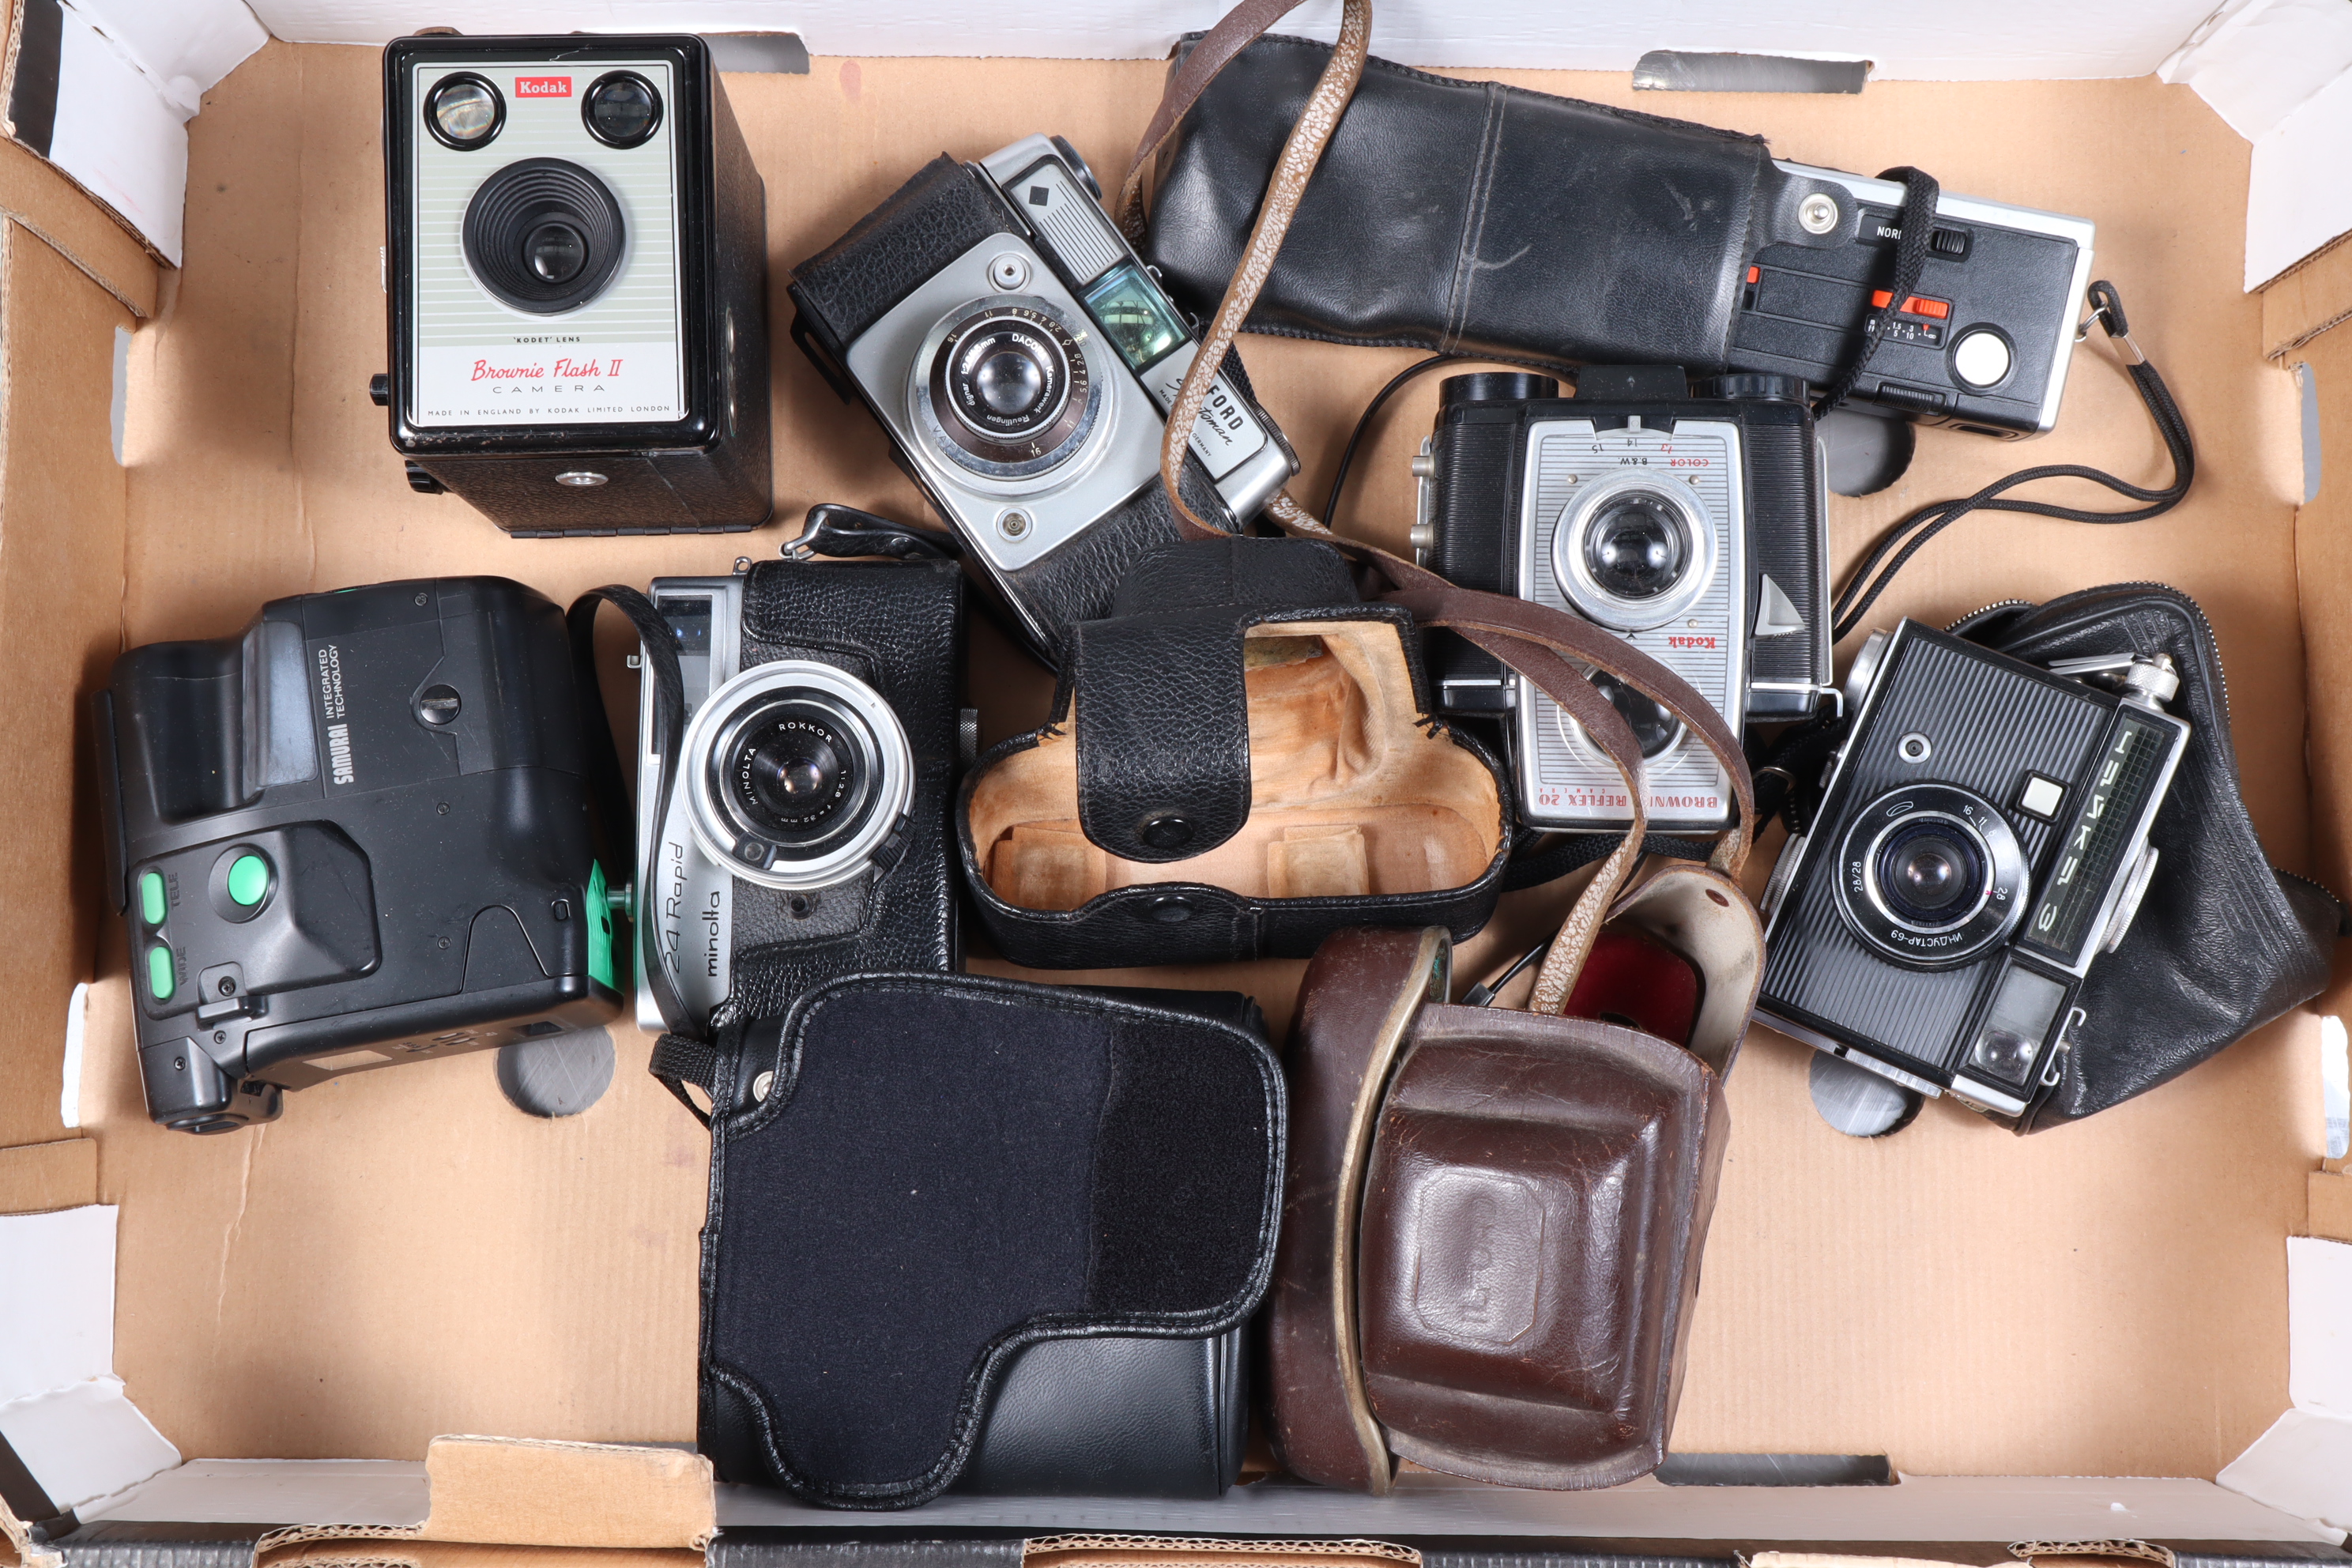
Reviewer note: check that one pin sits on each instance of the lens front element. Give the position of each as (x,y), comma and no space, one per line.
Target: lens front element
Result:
(1637,546)
(1930,876)
(543,234)
(1653,727)
(1006,389)
(796,774)
(1634,550)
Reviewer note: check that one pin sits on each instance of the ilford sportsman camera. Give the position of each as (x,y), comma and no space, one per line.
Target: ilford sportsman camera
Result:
(1983,839)
(1024,361)
(1693,527)
(358,835)
(576,265)
(804,830)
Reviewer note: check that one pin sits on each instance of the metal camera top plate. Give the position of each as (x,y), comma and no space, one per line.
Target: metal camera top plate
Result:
(717,837)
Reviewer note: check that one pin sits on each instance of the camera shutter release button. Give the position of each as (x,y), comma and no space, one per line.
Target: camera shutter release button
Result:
(1980,358)
(248,880)
(438,705)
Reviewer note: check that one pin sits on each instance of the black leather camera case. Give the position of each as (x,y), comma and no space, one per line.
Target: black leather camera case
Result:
(1244,717)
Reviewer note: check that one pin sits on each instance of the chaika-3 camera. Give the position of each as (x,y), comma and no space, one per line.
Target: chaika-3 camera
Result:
(1982,839)
(1694,527)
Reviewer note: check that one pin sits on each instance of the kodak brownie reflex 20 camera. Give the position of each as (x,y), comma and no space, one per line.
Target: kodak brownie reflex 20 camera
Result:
(355,836)
(1694,527)
(1983,838)
(576,266)
(1022,361)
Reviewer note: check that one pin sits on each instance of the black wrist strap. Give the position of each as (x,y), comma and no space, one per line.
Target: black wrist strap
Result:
(680,1057)
(1917,222)
(1899,543)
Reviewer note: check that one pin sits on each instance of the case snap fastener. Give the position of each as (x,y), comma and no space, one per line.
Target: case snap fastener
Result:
(1168,830)
(1171,910)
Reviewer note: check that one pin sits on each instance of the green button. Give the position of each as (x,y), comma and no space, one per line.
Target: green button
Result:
(151,897)
(248,880)
(163,978)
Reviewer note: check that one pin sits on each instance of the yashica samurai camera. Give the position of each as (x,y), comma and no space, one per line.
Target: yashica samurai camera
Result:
(1694,527)
(1982,840)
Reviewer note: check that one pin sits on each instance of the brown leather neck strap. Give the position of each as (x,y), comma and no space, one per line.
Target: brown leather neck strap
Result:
(1545,645)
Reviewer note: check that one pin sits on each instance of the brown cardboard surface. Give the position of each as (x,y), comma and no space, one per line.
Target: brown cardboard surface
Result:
(62,503)
(399,1550)
(2330,1214)
(503,1491)
(36,194)
(404,1254)
(37,1177)
(2308,299)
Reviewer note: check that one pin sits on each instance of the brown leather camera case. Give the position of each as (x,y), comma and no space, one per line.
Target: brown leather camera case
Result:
(1491,1231)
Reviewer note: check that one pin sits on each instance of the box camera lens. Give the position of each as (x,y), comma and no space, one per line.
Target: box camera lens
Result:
(544,236)
(1637,547)
(1653,727)
(1634,550)
(622,109)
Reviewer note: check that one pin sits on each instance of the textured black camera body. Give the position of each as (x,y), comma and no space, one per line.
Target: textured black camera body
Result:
(575,265)
(804,834)
(1983,838)
(1694,527)
(1022,361)
(356,835)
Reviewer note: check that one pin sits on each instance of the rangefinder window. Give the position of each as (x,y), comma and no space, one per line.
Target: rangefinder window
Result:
(1136,316)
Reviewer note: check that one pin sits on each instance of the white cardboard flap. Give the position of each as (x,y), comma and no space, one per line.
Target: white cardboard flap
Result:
(56,1299)
(85,1441)
(2319,1327)
(2302,1465)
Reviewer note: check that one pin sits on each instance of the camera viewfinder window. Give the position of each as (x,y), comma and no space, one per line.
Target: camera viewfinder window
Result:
(1136,317)
(2016,1024)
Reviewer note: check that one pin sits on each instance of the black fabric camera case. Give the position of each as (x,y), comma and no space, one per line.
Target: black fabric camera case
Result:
(1242,720)
(2223,942)
(1617,238)
(943,211)
(976,1232)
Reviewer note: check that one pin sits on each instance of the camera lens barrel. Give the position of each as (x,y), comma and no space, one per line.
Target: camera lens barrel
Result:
(1635,550)
(1930,876)
(1005,389)
(795,773)
(543,234)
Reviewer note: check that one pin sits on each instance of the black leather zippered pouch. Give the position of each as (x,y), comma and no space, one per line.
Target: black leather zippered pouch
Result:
(1472,217)
(2223,942)
(980,1232)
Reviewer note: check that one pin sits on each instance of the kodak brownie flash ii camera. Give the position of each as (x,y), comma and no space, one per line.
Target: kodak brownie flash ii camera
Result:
(1983,839)
(1691,526)
(1022,361)
(357,835)
(804,831)
(576,266)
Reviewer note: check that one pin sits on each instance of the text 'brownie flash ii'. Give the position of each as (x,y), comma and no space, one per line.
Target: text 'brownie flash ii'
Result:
(576,264)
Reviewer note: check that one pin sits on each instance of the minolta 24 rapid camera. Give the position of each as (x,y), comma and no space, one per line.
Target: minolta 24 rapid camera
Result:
(1022,361)
(804,832)
(1983,838)
(1694,527)
(355,836)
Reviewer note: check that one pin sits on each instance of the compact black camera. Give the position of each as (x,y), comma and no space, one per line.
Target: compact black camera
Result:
(1694,527)
(804,834)
(1983,838)
(1982,342)
(1022,361)
(358,835)
(576,261)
